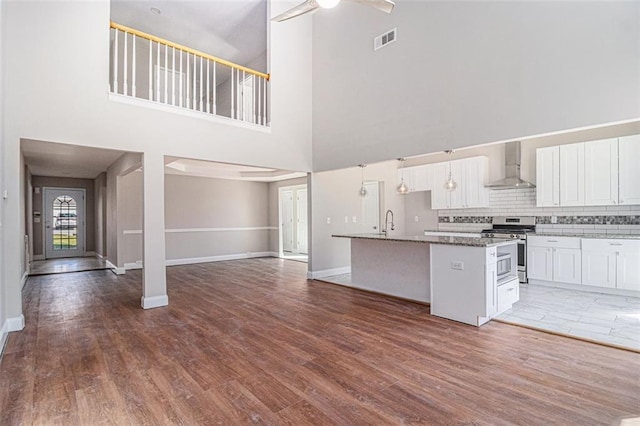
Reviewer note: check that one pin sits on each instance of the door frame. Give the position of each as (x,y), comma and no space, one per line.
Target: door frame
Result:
(295,189)
(44,217)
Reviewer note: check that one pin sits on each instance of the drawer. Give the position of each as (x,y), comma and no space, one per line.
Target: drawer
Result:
(508,294)
(610,244)
(554,242)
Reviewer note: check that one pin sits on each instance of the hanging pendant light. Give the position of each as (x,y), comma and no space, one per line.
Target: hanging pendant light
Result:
(403,189)
(363,190)
(450,184)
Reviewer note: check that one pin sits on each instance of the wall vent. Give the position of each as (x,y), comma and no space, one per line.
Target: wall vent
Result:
(383,39)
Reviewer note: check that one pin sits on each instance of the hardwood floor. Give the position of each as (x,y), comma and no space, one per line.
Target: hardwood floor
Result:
(253,341)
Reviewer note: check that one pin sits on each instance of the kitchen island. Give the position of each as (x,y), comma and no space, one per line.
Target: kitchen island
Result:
(456,275)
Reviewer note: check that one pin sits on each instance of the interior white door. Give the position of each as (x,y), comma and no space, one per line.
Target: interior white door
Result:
(301,219)
(64,222)
(371,208)
(286,213)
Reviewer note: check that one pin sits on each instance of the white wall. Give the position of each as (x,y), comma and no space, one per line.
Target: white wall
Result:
(335,195)
(466,73)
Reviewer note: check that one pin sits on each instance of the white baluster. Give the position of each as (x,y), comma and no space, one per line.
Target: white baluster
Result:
(214,87)
(180,82)
(173,76)
(233,112)
(124,67)
(115,63)
(187,85)
(264,103)
(150,70)
(254,90)
(201,86)
(166,74)
(158,73)
(195,71)
(258,92)
(242,111)
(133,67)
(208,88)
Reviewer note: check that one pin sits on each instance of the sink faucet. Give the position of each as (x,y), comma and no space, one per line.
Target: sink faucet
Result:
(386,222)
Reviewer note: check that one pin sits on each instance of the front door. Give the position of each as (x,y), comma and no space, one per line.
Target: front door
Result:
(64,222)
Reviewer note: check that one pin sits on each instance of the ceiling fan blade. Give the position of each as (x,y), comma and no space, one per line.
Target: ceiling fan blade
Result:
(306,7)
(382,5)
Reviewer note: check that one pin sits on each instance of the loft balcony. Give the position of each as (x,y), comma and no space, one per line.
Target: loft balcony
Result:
(149,68)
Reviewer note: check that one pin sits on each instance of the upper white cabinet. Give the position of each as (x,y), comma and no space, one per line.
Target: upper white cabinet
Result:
(548,176)
(469,173)
(596,173)
(601,172)
(629,170)
(572,175)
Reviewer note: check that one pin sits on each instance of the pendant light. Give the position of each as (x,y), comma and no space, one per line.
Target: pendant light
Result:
(403,189)
(450,184)
(363,190)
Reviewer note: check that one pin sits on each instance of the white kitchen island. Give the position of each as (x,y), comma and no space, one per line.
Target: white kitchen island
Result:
(456,275)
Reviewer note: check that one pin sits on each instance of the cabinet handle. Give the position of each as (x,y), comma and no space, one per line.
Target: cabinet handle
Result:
(615,244)
(552,241)
(511,289)
(614,202)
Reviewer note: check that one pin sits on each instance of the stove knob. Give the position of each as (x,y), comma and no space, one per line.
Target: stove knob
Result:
(513,236)
(491,235)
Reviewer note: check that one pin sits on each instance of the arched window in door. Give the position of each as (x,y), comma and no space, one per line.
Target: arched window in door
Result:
(65,225)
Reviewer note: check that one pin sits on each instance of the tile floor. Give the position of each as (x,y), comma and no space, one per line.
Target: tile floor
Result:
(70,264)
(604,318)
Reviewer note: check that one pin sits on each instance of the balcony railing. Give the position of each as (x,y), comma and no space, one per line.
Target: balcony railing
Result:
(147,67)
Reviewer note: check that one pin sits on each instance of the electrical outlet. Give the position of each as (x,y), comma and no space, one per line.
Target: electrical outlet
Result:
(458,265)
(416,219)
(328,221)
(346,219)
(354,219)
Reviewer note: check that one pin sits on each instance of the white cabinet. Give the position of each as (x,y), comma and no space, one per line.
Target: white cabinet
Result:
(572,175)
(613,263)
(548,176)
(417,178)
(556,259)
(629,170)
(601,172)
(470,174)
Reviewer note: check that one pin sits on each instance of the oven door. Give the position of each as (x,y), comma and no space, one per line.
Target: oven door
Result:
(522,260)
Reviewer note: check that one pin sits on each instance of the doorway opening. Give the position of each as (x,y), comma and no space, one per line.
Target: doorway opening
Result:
(64,224)
(293,223)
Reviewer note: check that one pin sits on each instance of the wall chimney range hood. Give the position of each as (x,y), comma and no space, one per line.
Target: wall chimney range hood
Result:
(512,178)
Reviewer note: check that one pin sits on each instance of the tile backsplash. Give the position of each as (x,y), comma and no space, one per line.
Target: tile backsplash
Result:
(522,202)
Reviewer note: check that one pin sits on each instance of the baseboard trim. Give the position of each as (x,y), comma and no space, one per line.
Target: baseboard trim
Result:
(23,280)
(89,254)
(38,257)
(15,323)
(99,256)
(133,265)
(584,287)
(4,334)
(313,275)
(206,259)
(154,302)
(114,268)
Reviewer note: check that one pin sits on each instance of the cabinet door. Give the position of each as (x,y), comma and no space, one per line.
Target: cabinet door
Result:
(567,265)
(407,175)
(629,173)
(440,197)
(628,270)
(474,173)
(491,289)
(601,172)
(547,176)
(540,263)
(572,175)
(458,200)
(599,268)
(420,181)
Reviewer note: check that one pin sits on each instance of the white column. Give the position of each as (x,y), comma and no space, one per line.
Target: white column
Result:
(154,277)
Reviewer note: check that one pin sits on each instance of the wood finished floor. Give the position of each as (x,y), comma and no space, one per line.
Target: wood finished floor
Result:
(253,341)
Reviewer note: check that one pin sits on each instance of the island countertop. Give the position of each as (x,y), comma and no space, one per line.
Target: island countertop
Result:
(432,239)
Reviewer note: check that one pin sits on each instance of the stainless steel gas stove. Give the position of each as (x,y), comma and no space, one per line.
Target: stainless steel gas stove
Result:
(516,228)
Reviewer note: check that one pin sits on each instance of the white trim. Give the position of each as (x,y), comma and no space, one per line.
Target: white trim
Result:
(313,275)
(182,111)
(133,265)
(99,256)
(114,268)
(89,254)
(15,323)
(23,280)
(586,288)
(192,260)
(182,230)
(4,334)
(154,302)
(38,257)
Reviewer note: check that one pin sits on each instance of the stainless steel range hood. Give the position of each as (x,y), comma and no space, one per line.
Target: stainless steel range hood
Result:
(512,178)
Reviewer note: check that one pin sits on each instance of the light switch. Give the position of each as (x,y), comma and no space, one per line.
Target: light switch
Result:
(354,219)
(346,219)
(328,221)
(416,219)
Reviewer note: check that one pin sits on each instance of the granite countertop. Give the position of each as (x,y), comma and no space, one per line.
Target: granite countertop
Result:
(455,241)
(576,235)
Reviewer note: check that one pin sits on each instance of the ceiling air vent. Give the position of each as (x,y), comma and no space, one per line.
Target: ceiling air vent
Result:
(383,39)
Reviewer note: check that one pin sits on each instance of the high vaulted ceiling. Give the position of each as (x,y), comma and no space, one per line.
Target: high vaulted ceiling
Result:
(235,30)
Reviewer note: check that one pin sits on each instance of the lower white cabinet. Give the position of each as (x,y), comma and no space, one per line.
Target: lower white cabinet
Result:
(613,263)
(508,294)
(556,259)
